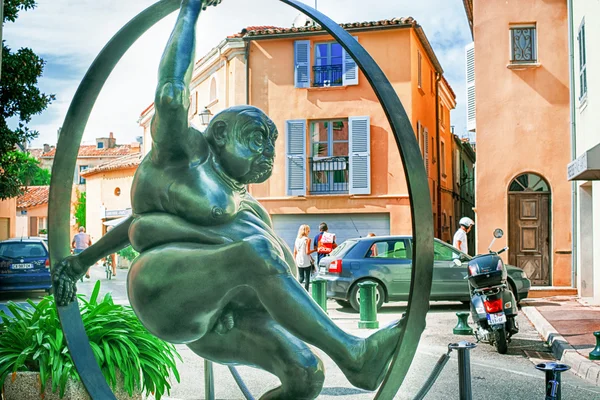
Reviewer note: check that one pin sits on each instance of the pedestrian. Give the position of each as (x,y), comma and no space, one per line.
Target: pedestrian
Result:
(81,241)
(324,242)
(302,252)
(373,250)
(113,258)
(460,237)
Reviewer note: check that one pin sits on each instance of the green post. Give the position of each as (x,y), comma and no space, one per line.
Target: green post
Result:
(595,354)
(462,327)
(368,306)
(319,292)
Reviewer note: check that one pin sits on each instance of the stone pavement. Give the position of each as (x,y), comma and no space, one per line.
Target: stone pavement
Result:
(567,325)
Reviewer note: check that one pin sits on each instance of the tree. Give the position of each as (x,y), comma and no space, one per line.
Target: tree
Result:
(80,209)
(29,171)
(21,99)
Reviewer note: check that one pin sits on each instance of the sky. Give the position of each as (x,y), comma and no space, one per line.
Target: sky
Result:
(68,34)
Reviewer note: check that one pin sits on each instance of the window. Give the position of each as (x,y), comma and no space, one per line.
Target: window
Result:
(442,252)
(432,81)
(100,145)
(81,169)
(419,70)
(395,249)
(442,115)
(329,156)
(582,62)
(42,223)
(529,183)
(523,46)
(327,69)
(443,158)
(117,192)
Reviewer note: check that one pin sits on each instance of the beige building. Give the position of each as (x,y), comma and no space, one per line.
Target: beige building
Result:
(32,211)
(109,193)
(8,218)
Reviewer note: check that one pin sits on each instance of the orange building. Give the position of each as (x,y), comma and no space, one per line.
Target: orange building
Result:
(521,86)
(337,160)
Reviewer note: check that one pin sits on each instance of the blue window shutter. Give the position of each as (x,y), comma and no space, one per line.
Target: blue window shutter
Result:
(349,68)
(302,63)
(295,163)
(360,155)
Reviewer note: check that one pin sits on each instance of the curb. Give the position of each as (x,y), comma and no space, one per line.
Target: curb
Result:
(561,349)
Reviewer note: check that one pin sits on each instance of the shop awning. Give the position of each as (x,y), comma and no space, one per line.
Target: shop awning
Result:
(586,167)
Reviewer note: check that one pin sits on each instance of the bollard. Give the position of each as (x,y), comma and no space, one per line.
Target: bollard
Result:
(464,368)
(595,354)
(319,292)
(462,326)
(553,371)
(368,305)
(209,382)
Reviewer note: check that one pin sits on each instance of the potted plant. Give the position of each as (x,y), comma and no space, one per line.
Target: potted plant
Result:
(34,356)
(126,256)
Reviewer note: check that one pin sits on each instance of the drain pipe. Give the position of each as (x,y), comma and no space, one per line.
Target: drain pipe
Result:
(247,59)
(574,226)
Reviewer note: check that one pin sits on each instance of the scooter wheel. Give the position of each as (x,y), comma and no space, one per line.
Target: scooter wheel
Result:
(500,341)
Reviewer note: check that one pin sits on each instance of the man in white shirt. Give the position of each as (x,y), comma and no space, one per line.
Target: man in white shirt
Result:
(460,237)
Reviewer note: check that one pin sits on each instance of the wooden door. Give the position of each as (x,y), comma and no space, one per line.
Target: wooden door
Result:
(529,235)
(4,228)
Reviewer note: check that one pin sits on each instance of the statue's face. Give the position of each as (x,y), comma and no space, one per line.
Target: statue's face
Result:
(249,151)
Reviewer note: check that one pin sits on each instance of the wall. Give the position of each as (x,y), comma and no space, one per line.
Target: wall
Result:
(8,209)
(522,119)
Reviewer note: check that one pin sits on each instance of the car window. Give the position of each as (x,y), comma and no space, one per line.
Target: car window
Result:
(22,249)
(342,248)
(442,252)
(396,249)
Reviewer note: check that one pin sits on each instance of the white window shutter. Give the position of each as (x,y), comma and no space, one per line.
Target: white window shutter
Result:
(349,68)
(295,163)
(302,63)
(470,62)
(360,155)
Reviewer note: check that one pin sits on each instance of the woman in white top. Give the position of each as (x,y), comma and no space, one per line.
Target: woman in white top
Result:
(302,256)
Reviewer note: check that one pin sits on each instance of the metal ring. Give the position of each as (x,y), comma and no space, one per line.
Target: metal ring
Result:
(414,171)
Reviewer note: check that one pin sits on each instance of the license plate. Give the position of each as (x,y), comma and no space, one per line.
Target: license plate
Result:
(21,266)
(323,270)
(494,319)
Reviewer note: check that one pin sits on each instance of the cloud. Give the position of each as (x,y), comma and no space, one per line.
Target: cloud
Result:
(68,34)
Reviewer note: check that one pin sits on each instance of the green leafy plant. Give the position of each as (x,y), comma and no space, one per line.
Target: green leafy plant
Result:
(43,231)
(80,209)
(128,253)
(32,340)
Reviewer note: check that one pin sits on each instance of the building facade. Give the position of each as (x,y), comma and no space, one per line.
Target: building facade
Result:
(522,124)
(337,157)
(8,218)
(584,170)
(464,186)
(32,211)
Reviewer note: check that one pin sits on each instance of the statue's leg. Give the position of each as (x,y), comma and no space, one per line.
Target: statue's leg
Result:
(254,338)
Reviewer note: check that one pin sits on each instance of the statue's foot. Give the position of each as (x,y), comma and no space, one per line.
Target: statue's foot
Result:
(377,352)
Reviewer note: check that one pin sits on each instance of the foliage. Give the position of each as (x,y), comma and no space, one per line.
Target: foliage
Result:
(43,231)
(20,99)
(28,171)
(128,253)
(80,209)
(33,340)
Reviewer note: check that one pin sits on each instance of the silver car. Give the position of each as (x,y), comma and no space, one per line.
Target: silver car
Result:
(387,260)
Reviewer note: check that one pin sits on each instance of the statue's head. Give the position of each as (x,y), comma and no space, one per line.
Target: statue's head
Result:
(243,138)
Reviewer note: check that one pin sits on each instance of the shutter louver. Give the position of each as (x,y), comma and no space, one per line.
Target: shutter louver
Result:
(470,62)
(302,63)
(360,155)
(295,134)
(349,69)
(426,155)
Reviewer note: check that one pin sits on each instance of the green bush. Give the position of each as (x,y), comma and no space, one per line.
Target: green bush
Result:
(128,253)
(32,340)
(43,231)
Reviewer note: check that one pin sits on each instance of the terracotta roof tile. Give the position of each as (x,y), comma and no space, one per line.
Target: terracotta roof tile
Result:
(128,161)
(252,28)
(33,196)
(92,151)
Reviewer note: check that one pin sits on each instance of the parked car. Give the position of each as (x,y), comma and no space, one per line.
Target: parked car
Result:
(387,260)
(24,265)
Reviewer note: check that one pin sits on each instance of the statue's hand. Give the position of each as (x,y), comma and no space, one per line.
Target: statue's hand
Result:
(64,280)
(208,3)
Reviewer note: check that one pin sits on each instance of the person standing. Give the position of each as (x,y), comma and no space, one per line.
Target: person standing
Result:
(324,242)
(460,237)
(302,252)
(81,241)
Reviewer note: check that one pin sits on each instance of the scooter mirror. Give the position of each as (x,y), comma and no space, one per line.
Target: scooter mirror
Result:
(498,233)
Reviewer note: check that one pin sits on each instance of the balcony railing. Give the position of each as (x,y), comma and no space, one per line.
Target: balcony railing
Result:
(328,175)
(327,75)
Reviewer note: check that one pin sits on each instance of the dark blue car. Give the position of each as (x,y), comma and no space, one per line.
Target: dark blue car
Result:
(24,265)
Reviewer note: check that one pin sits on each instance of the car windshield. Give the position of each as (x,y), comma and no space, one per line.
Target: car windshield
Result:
(22,249)
(445,252)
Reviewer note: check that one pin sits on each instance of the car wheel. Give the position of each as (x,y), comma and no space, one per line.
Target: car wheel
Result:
(511,287)
(355,296)
(344,303)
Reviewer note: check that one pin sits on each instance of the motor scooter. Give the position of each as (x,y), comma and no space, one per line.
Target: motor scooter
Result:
(493,305)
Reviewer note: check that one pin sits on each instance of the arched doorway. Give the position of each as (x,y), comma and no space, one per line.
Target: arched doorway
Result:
(529,227)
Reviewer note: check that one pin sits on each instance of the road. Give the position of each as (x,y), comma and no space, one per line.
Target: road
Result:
(494,376)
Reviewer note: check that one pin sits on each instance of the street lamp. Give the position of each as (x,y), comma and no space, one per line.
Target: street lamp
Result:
(205,116)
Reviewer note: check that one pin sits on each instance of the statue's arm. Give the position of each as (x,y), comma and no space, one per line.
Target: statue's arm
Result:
(169,126)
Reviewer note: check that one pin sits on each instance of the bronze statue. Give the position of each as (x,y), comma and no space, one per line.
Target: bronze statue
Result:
(212,273)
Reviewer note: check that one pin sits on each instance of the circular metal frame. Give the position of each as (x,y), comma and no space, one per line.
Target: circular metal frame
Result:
(414,171)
